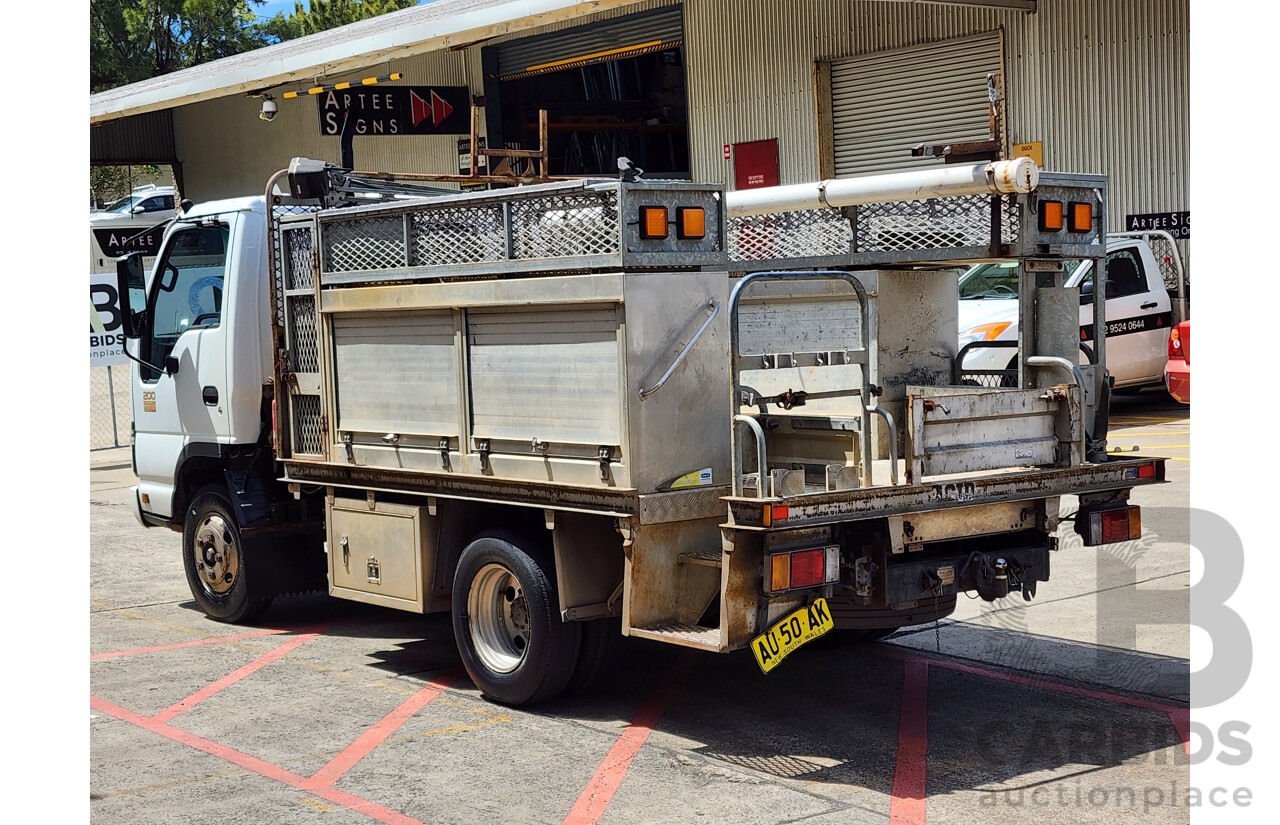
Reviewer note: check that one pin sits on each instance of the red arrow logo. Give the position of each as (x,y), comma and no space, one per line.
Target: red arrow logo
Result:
(438,109)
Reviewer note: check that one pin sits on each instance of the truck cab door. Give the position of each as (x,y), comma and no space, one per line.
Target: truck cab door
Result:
(183,411)
(1137,317)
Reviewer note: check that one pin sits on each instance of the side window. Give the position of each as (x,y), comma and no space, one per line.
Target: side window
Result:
(188,288)
(1124,269)
(152,205)
(166,202)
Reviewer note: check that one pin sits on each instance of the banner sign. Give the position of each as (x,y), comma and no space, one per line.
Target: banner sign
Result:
(397,110)
(121,240)
(105,338)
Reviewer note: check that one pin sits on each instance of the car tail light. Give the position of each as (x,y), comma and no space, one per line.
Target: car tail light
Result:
(691,222)
(653,222)
(1110,526)
(1051,216)
(804,568)
(1175,343)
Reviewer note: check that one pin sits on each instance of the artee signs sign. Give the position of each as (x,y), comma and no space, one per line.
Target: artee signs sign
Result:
(1177,224)
(396,110)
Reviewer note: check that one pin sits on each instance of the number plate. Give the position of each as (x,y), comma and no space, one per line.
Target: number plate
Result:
(798,628)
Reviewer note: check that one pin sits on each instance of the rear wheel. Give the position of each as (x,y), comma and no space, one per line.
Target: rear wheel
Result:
(228,583)
(506,617)
(601,648)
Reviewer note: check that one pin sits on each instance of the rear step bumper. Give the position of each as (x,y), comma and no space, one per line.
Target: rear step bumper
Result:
(816,509)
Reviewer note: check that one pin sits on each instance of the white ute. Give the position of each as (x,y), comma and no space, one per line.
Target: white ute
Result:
(1140,312)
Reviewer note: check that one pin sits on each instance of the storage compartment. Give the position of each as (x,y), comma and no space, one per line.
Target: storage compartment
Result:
(382,554)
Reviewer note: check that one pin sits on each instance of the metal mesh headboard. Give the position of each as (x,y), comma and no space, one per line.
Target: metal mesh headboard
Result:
(539,227)
(812,235)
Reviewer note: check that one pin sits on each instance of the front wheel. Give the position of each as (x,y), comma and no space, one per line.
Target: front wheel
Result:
(506,617)
(227,584)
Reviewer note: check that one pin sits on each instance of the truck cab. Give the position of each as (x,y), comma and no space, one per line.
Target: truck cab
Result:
(200,393)
(1139,313)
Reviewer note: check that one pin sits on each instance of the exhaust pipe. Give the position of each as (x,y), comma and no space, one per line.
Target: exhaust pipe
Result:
(1018,175)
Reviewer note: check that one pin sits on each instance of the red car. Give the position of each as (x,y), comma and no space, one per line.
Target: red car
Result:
(1177,372)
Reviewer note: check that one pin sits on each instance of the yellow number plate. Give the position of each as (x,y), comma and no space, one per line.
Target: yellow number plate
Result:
(804,625)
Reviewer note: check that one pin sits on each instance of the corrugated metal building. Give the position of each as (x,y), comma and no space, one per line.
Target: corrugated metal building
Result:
(843,86)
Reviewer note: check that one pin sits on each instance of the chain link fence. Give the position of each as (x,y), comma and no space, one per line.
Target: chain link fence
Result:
(110,409)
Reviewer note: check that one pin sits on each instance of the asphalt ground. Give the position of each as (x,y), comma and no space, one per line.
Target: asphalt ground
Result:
(1070,708)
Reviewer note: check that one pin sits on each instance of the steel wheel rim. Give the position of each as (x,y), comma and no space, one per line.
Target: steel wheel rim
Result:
(216,556)
(498,616)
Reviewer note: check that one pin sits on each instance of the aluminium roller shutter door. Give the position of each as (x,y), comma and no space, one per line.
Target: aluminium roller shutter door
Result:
(884,103)
(595,43)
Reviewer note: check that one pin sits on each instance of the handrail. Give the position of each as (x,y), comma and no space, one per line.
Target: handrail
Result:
(893,440)
(958,368)
(714,309)
(735,400)
(1059,362)
(761,458)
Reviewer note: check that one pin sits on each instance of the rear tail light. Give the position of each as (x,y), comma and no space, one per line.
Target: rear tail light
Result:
(804,568)
(1110,526)
(1175,343)
(1081,217)
(691,222)
(1051,216)
(653,222)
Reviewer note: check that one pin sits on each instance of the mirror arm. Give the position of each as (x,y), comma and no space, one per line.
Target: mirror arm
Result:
(125,349)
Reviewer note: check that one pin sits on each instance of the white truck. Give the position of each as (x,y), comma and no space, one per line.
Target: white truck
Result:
(1146,298)
(576,410)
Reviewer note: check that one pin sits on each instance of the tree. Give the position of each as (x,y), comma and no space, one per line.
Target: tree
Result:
(327,14)
(132,40)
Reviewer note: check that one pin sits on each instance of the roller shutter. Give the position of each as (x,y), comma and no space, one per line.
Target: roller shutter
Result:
(596,43)
(884,103)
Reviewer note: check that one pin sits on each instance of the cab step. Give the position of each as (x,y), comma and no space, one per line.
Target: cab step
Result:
(688,635)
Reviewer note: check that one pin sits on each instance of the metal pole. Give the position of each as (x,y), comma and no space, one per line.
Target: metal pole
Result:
(111,393)
(1019,175)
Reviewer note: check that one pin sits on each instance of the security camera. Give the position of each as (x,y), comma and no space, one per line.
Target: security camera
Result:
(269,108)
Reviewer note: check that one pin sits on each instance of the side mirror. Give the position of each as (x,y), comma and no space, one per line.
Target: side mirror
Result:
(137,210)
(1112,290)
(131,287)
(1086,292)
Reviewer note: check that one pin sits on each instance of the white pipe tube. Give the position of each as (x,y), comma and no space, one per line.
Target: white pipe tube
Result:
(999,177)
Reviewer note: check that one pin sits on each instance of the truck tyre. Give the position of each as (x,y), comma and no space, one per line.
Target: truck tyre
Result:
(228,583)
(601,648)
(506,618)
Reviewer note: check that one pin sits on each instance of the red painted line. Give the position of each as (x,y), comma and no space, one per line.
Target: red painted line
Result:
(327,776)
(1036,683)
(1181,720)
(252,763)
(599,791)
(906,803)
(235,676)
(211,640)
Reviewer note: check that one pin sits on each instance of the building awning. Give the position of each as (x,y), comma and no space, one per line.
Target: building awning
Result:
(433,26)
